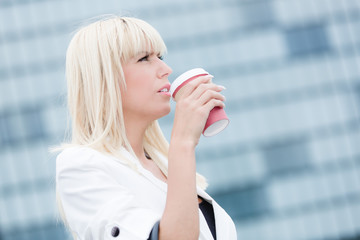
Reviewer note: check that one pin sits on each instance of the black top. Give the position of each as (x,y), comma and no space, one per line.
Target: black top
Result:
(208,212)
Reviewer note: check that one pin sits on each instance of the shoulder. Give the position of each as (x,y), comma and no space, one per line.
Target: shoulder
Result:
(80,157)
(77,156)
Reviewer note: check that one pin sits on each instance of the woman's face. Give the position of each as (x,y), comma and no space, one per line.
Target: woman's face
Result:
(147,95)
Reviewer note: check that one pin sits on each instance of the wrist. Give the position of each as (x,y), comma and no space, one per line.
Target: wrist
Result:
(184,145)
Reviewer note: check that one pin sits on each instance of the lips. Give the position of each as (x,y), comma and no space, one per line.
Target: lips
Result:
(165,88)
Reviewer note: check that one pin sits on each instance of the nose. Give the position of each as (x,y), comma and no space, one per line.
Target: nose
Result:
(164,70)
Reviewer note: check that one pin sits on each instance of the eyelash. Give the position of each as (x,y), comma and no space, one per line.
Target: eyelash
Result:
(146,58)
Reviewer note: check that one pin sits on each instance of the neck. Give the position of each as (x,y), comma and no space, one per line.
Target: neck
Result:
(135,131)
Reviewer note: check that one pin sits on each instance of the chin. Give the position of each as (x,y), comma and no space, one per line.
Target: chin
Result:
(163,112)
(166,111)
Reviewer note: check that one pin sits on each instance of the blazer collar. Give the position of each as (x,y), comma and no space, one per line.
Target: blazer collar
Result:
(144,172)
(155,180)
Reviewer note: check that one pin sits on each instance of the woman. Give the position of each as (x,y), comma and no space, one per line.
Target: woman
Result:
(119,178)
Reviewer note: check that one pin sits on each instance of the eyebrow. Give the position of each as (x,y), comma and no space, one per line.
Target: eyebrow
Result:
(143,52)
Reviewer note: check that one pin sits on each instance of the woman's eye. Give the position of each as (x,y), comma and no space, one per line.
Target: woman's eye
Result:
(143,58)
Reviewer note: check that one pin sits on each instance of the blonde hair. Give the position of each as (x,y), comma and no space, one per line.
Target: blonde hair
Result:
(94,78)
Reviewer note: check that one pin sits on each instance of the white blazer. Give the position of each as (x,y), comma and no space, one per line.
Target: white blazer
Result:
(102,197)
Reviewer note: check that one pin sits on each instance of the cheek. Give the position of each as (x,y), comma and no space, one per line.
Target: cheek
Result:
(136,95)
(136,82)
(132,84)
(138,88)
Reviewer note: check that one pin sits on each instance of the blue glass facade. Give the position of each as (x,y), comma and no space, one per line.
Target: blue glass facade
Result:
(287,166)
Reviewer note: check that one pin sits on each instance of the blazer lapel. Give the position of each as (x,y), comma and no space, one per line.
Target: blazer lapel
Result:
(157,182)
(223,222)
(147,174)
(205,232)
(204,195)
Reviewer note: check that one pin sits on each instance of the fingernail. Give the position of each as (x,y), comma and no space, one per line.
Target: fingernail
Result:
(221,86)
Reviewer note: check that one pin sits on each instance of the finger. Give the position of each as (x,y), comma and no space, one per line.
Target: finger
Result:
(192,85)
(213,103)
(203,88)
(209,95)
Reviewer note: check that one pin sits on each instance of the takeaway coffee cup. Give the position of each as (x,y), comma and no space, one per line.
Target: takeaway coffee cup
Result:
(217,120)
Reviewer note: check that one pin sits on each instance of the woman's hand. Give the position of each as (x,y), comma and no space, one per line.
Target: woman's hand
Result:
(198,98)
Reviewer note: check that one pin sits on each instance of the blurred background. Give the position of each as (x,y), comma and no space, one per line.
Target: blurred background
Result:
(287,166)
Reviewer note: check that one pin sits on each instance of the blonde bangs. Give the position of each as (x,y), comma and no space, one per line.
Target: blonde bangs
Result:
(140,37)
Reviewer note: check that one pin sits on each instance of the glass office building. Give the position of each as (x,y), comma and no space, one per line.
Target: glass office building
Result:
(288,165)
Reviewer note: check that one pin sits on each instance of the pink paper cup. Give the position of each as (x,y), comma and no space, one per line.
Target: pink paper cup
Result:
(217,120)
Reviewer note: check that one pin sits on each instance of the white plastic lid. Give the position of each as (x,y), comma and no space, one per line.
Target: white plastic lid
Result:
(185,76)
